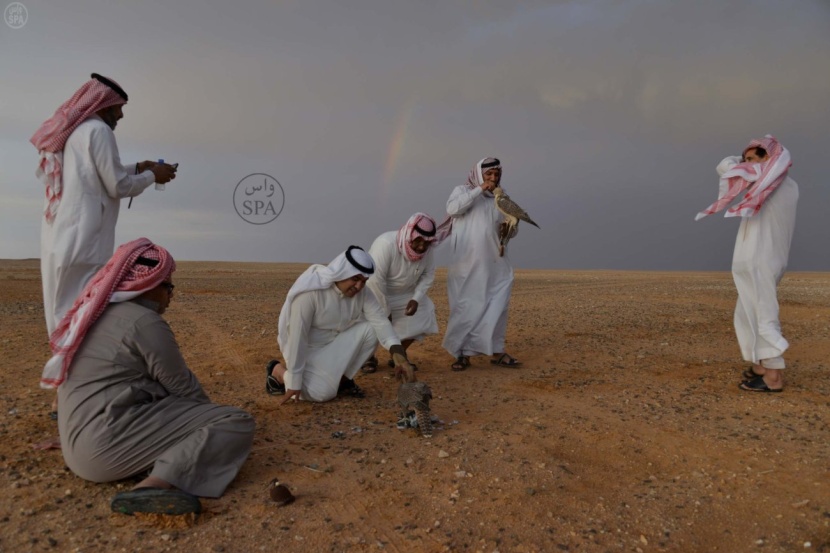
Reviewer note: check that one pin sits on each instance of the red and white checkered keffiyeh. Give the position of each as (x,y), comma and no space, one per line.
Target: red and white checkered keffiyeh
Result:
(52,135)
(121,279)
(419,225)
(762,179)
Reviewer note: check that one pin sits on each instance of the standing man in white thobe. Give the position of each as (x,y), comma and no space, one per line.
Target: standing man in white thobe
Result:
(327,328)
(479,282)
(404,273)
(85,181)
(768,199)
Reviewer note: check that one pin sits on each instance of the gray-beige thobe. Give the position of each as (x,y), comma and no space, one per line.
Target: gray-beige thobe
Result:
(130,404)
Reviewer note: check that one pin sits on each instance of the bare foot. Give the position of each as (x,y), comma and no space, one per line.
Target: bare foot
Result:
(153,482)
(51,443)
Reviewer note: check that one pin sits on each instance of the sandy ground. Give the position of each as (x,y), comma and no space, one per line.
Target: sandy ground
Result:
(624,429)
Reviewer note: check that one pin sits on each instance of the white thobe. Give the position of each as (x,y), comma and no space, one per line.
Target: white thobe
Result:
(81,239)
(759,261)
(331,336)
(479,282)
(397,280)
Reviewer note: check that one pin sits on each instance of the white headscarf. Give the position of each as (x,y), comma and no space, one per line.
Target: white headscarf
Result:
(476,176)
(354,261)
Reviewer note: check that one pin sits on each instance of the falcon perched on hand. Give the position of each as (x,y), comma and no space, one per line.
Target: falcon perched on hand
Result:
(512,214)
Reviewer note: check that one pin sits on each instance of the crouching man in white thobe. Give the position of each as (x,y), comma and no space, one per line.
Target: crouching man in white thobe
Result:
(327,328)
(404,273)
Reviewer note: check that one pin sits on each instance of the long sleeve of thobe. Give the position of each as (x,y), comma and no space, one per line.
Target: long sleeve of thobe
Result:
(462,199)
(378,283)
(379,321)
(154,340)
(296,345)
(425,280)
(117,180)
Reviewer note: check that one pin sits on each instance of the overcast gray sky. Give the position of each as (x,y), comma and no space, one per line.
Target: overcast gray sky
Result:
(609,118)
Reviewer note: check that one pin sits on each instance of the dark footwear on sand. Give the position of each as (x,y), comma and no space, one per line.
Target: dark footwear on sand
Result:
(272,385)
(370,366)
(505,360)
(155,500)
(349,388)
(750,373)
(461,363)
(757,384)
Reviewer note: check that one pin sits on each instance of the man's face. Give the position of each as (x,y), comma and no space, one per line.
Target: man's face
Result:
(420,245)
(111,115)
(492,176)
(751,156)
(161,294)
(351,286)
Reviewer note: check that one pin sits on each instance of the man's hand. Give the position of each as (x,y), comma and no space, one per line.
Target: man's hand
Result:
(403,369)
(289,393)
(163,172)
(411,308)
(145,165)
(488,186)
(503,229)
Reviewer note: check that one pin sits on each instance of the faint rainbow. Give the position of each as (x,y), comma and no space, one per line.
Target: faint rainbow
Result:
(396,146)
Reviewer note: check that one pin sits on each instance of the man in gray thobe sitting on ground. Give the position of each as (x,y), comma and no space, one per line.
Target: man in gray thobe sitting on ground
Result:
(129,403)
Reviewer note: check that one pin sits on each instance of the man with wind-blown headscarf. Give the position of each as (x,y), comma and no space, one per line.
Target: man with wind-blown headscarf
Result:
(766,201)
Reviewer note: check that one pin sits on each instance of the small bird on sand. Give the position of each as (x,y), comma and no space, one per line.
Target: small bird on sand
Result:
(280,493)
(512,214)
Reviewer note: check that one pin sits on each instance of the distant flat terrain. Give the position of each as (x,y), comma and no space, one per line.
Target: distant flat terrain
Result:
(623,430)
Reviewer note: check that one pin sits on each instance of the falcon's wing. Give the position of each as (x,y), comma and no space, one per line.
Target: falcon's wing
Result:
(509,207)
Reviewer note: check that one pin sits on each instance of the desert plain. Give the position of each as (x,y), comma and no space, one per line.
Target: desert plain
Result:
(623,430)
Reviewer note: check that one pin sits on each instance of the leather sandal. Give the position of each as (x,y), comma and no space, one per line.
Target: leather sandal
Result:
(461,363)
(272,385)
(370,366)
(505,360)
